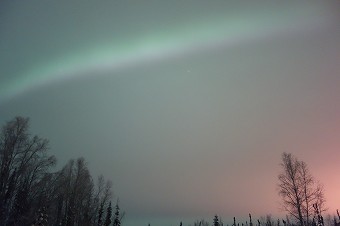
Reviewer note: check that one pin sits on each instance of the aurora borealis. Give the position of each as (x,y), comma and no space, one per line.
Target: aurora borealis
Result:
(221,29)
(185,105)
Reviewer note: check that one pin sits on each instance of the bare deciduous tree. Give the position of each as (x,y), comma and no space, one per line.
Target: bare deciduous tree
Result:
(30,194)
(298,189)
(23,166)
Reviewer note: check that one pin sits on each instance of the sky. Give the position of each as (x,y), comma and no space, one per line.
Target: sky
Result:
(186,106)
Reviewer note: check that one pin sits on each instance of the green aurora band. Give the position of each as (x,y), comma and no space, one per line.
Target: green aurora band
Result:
(179,42)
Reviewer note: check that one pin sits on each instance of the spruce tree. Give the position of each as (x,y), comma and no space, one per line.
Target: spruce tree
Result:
(116,220)
(108,215)
(216,221)
(100,214)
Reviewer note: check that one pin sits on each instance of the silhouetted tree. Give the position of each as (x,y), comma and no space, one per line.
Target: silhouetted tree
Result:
(108,215)
(268,221)
(100,214)
(24,163)
(21,207)
(318,215)
(117,217)
(216,221)
(298,189)
(201,223)
(31,195)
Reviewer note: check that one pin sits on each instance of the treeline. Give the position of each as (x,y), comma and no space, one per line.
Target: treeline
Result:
(268,220)
(30,194)
(263,221)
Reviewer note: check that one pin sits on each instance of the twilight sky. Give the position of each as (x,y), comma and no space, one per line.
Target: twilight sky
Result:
(185,105)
